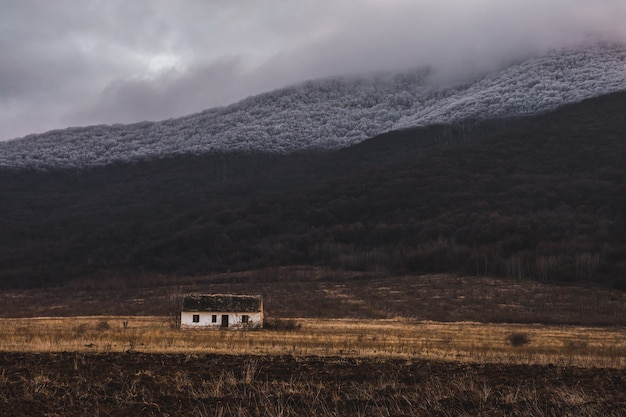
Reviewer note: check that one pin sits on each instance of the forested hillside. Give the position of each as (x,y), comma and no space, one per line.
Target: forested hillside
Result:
(542,197)
(335,112)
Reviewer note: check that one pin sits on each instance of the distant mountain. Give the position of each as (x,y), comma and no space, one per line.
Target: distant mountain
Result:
(335,112)
(540,197)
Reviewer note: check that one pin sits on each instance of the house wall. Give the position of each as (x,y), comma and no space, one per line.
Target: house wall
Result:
(255,320)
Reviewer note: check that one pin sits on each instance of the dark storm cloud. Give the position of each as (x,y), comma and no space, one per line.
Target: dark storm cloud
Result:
(76,62)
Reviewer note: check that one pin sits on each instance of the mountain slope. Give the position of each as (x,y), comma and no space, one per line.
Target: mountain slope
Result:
(542,197)
(334,113)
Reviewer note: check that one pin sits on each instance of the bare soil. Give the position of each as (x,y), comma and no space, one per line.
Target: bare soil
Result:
(74,384)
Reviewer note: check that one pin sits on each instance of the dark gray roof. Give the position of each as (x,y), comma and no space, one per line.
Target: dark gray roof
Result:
(222,303)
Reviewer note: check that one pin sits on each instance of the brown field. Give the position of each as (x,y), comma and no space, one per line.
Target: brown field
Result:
(461,341)
(341,345)
(140,384)
(343,367)
(327,294)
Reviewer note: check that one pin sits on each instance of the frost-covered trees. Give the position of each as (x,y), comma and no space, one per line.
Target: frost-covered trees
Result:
(334,112)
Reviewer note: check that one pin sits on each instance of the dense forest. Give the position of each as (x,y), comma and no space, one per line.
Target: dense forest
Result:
(541,197)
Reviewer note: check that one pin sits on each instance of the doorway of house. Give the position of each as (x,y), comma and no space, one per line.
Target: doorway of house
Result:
(224,320)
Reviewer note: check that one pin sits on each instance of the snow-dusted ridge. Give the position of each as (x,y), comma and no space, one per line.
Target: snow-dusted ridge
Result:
(333,113)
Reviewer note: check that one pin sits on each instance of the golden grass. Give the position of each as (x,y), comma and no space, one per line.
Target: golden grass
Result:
(461,341)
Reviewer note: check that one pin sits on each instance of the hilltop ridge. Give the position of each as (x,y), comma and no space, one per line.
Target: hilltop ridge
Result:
(540,197)
(334,112)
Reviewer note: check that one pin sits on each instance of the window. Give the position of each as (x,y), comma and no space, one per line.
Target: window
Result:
(244,319)
(214,318)
(196,318)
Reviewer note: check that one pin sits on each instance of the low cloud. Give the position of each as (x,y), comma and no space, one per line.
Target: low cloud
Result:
(76,63)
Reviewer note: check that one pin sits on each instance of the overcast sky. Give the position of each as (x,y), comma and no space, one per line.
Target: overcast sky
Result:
(78,62)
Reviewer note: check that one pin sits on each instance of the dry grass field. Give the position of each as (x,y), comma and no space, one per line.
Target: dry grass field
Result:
(140,384)
(460,341)
(335,345)
(335,367)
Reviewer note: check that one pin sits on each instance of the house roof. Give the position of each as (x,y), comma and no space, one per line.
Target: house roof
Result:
(222,303)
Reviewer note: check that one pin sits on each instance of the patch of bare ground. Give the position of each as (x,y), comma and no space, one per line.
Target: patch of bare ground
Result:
(324,293)
(71,384)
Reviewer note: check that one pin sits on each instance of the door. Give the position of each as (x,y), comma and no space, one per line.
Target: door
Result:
(224,320)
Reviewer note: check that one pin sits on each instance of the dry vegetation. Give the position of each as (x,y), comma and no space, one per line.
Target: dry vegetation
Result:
(72,384)
(400,348)
(462,341)
(325,293)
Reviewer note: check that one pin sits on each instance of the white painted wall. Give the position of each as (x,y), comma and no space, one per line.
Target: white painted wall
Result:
(234,320)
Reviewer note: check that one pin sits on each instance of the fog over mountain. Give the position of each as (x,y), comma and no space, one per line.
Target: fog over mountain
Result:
(75,63)
(336,112)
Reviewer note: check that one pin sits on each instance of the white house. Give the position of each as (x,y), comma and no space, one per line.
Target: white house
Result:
(216,311)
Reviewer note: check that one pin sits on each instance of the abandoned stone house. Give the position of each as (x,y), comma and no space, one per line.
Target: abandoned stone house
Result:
(218,311)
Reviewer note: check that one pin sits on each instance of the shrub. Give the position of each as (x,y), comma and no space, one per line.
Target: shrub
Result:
(518,339)
(282,324)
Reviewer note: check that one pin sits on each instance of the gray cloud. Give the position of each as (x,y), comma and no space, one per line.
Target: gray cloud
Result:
(77,62)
